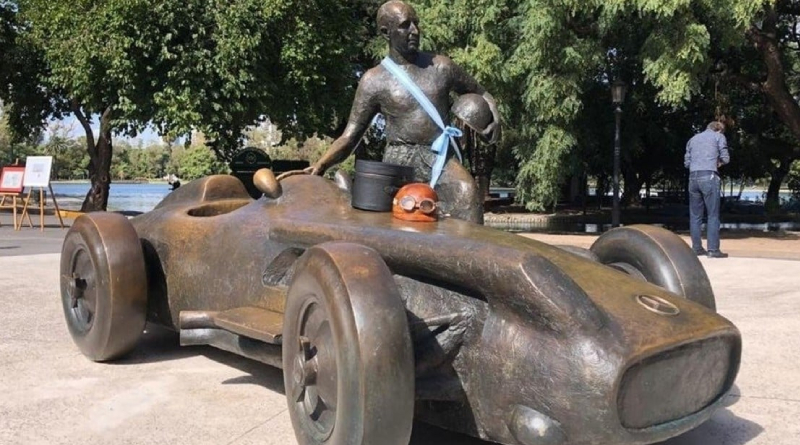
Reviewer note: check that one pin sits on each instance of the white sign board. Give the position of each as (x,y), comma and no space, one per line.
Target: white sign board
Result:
(37,171)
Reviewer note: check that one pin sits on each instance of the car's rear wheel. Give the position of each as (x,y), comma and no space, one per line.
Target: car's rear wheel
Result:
(347,355)
(658,256)
(103,285)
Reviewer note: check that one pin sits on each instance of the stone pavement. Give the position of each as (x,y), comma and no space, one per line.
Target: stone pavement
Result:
(31,241)
(165,394)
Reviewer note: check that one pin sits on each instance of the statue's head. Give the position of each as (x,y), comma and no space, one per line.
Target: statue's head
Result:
(399,25)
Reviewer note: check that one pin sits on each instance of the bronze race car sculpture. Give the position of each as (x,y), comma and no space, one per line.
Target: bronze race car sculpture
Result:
(376,320)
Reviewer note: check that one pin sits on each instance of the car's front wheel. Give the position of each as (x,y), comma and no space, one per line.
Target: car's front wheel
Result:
(103,285)
(657,256)
(347,355)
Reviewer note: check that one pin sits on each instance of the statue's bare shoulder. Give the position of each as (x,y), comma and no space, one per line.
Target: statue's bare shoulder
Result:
(373,80)
(440,61)
(459,80)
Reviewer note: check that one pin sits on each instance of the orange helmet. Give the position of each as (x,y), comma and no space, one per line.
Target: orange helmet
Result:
(416,202)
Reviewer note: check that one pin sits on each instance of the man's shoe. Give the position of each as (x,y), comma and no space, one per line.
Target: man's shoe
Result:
(700,251)
(717,254)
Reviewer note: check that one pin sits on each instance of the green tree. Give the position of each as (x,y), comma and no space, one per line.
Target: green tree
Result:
(794,181)
(765,73)
(182,65)
(24,104)
(543,60)
(195,162)
(13,148)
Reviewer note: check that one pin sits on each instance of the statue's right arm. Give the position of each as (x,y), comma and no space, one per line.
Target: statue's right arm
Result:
(365,107)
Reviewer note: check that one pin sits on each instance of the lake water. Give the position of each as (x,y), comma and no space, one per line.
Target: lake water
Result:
(144,197)
(133,197)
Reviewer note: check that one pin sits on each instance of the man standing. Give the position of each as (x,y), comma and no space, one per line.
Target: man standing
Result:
(705,152)
(411,129)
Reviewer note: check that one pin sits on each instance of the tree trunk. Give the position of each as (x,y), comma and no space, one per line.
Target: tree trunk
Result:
(773,202)
(99,160)
(633,185)
(100,175)
(600,190)
(776,86)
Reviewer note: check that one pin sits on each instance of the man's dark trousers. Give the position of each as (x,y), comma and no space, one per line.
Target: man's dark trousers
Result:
(704,195)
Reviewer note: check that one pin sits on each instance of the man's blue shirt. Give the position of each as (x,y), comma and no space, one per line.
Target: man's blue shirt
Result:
(705,151)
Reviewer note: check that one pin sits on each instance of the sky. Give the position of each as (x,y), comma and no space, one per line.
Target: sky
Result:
(75,130)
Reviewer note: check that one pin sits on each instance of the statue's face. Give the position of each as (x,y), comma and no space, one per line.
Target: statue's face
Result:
(403,32)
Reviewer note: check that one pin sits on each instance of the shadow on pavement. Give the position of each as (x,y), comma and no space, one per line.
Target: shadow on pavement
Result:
(424,434)
(157,344)
(257,373)
(724,428)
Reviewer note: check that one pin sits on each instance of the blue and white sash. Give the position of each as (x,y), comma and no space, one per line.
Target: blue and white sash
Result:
(440,145)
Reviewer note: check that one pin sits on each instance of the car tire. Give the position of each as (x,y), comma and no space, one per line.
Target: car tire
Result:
(347,355)
(103,285)
(657,256)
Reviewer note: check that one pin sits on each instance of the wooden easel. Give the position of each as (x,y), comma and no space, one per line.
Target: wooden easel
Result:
(42,205)
(16,199)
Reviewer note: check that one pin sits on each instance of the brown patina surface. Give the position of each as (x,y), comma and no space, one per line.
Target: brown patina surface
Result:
(509,334)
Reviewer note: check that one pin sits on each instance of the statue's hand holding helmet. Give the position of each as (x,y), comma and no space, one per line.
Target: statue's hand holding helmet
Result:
(474,111)
(492,132)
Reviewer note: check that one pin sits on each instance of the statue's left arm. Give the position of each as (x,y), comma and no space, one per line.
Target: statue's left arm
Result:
(463,83)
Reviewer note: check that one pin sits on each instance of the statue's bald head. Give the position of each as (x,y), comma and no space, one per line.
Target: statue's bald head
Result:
(399,25)
(389,11)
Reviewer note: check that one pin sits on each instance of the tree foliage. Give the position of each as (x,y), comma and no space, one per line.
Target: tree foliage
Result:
(195,162)
(794,181)
(13,149)
(203,65)
(219,67)
(549,60)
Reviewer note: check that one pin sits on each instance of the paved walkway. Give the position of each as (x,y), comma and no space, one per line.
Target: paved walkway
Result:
(742,244)
(164,394)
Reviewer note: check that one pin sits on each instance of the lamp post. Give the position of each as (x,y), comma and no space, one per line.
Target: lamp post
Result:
(618,89)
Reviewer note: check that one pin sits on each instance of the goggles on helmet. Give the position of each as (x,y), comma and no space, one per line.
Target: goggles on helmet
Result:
(416,202)
(409,203)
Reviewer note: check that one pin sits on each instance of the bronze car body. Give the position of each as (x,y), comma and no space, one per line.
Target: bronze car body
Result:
(514,340)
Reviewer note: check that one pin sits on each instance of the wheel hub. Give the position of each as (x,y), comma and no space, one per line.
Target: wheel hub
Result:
(81,292)
(305,371)
(314,373)
(77,286)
